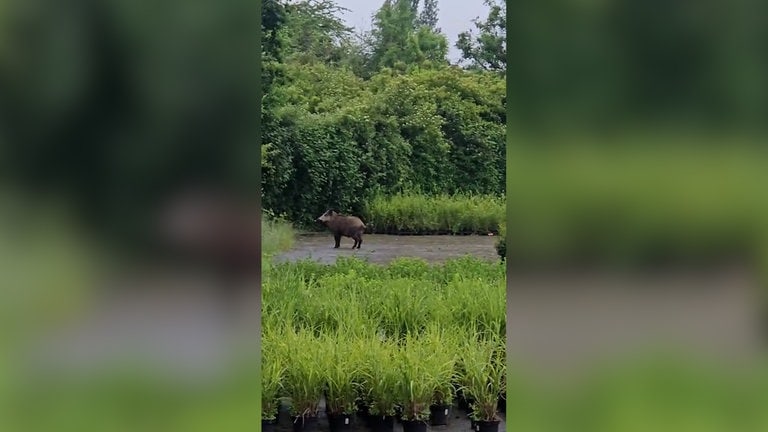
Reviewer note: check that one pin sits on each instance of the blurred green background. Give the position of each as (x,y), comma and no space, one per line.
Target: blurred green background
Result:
(637,142)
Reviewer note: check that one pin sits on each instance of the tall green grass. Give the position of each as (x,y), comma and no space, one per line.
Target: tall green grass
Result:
(403,297)
(397,331)
(277,235)
(443,214)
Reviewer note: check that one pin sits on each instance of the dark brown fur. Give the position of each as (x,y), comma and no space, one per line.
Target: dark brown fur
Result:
(213,229)
(343,226)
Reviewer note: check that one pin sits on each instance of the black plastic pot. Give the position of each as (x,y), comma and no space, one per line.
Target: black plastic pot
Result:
(414,426)
(461,403)
(268,425)
(340,422)
(438,414)
(486,426)
(465,403)
(304,424)
(381,424)
(469,408)
(362,409)
(284,415)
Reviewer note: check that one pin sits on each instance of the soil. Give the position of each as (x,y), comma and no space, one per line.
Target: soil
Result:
(381,248)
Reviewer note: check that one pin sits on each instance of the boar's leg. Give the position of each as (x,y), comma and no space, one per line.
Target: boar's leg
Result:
(337,239)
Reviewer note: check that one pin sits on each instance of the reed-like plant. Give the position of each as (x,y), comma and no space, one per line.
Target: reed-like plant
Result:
(441,347)
(382,376)
(304,377)
(341,366)
(277,235)
(416,387)
(403,306)
(272,374)
(442,214)
(483,376)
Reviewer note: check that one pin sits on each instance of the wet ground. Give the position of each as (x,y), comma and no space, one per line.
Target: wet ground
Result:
(381,249)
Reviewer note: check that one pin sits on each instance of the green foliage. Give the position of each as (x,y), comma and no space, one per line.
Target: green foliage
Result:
(314,31)
(649,393)
(397,299)
(613,65)
(416,388)
(109,106)
(276,235)
(440,347)
(483,375)
(382,376)
(389,335)
(501,242)
(272,374)
(488,49)
(341,365)
(398,40)
(637,205)
(443,214)
(304,378)
(335,140)
(428,14)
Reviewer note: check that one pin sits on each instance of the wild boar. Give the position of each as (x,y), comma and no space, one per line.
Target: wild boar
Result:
(213,229)
(347,226)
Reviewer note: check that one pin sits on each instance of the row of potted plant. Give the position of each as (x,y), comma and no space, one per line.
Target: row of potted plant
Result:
(401,297)
(414,379)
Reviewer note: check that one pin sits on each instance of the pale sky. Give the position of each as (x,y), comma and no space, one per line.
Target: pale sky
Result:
(454,17)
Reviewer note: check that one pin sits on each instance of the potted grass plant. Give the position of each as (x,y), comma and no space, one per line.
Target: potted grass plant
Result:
(272,372)
(272,377)
(440,365)
(415,390)
(340,369)
(303,381)
(485,380)
(381,379)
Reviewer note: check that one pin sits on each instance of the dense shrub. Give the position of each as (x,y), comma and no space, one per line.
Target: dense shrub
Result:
(335,140)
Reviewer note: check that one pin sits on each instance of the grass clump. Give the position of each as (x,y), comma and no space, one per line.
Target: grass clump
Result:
(277,235)
(385,337)
(441,214)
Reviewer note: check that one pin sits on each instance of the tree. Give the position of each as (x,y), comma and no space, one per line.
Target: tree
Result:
(399,41)
(487,50)
(314,31)
(272,19)
(428,15)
